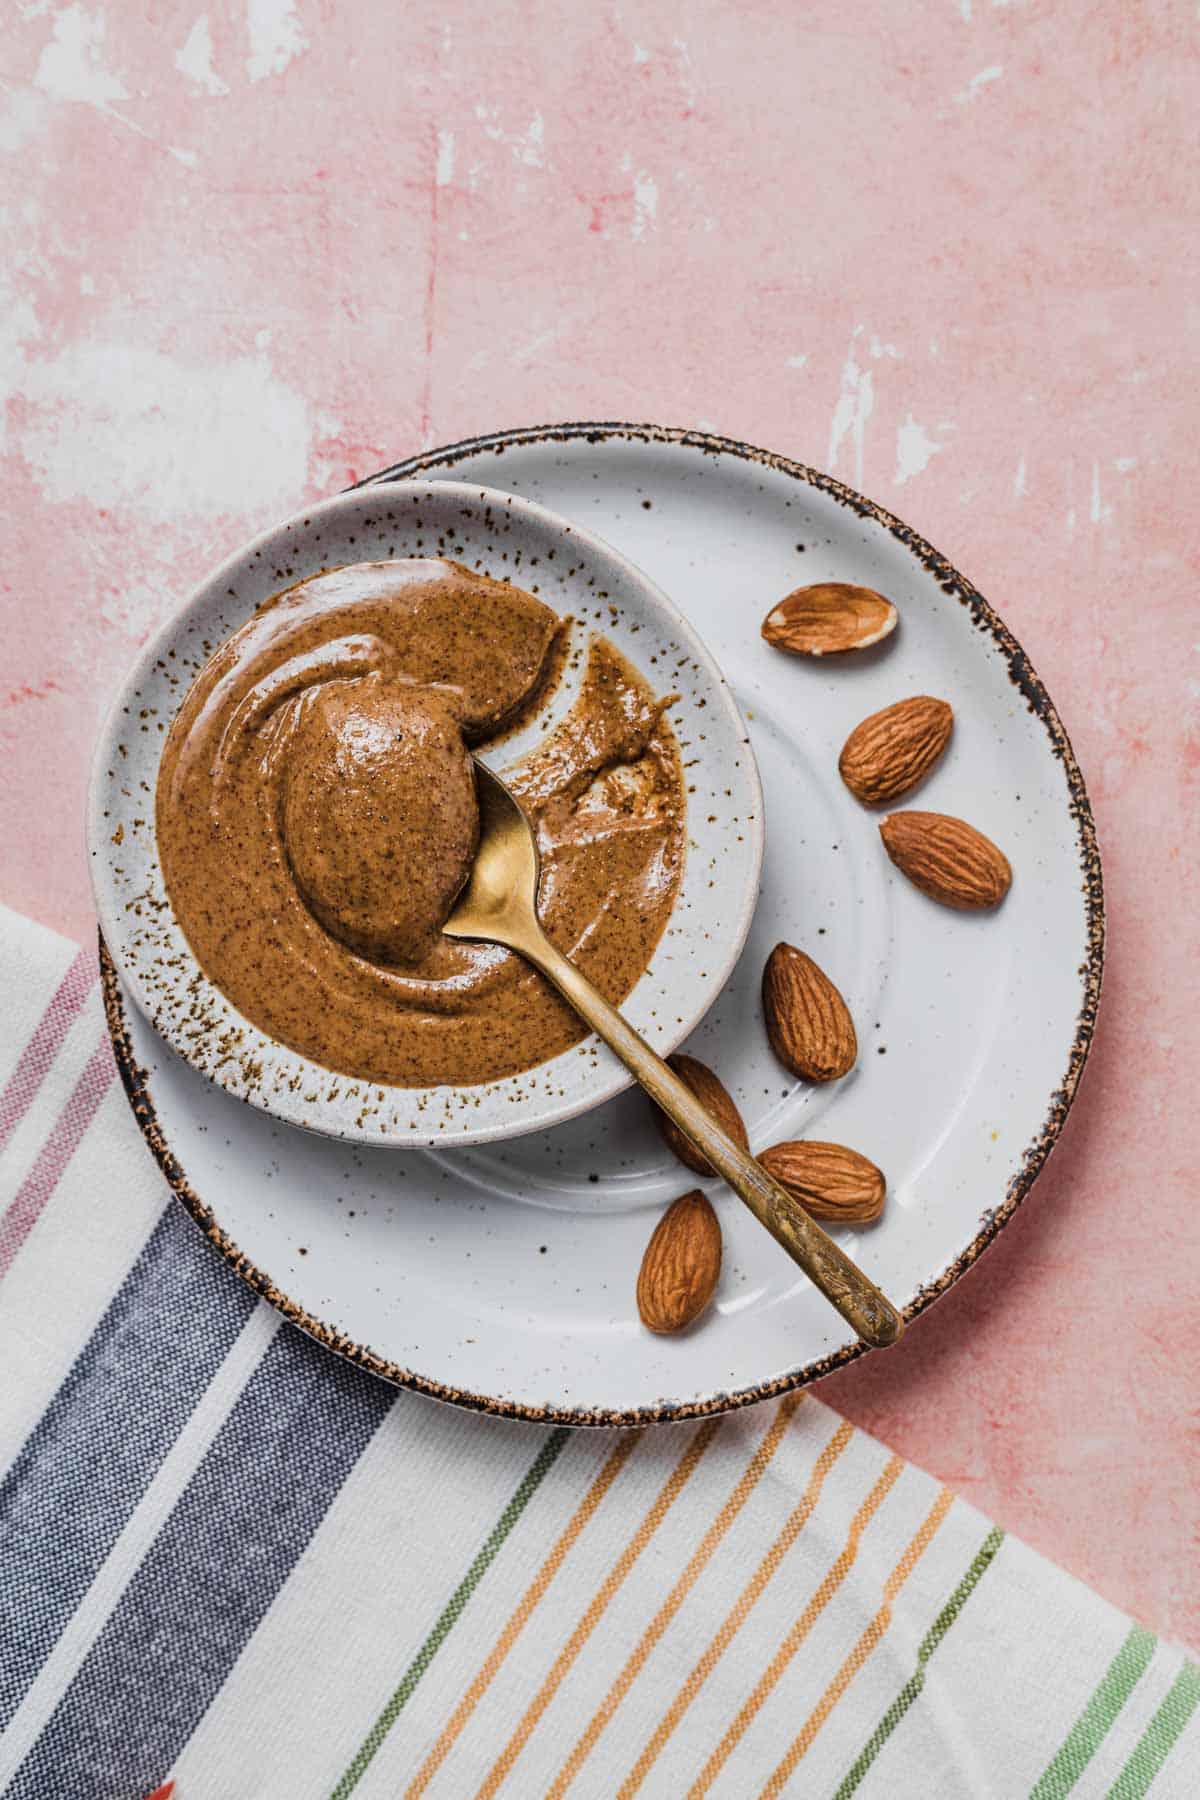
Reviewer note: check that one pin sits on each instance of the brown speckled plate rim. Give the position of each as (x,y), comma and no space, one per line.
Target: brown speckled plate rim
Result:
(1027,682)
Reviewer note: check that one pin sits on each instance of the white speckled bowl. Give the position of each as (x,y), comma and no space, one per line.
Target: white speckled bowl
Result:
(573,572)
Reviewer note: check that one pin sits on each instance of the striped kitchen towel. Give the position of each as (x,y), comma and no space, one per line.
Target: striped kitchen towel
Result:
(229,1559)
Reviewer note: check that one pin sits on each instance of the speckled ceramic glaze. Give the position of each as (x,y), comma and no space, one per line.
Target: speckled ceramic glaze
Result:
(574,573)
(503,1275)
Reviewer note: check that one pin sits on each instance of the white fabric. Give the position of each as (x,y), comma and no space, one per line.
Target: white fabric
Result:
(282,1703)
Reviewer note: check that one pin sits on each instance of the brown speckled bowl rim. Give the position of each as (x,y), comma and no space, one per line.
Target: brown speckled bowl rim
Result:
(1027,682)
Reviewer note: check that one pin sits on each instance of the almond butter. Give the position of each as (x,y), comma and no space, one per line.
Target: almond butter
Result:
(947,859)
(681,1265)
(892,750)
(828,618)
(808,1022)
(715,1099)
(829,1181)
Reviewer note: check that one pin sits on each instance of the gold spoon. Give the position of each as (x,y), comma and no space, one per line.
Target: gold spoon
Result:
(499,905)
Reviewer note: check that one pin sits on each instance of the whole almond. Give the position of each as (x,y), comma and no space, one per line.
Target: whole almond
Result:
(827,618)
(829,1181)
(681,1265)
(715,1099)
(890,752)
(808,1022)
(947,859)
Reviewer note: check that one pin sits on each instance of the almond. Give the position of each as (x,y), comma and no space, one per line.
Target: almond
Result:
(682,1263)
(829,617)
(947,859)
(890,752)
(829,1181)
(808,1022)
(715,1099)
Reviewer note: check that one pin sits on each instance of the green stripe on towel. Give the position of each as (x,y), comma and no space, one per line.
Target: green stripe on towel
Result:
(1095,1721)
(452,1611)
(1157,1741)
(916,1681)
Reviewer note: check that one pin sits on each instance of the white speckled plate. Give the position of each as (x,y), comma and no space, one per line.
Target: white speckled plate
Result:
(576,574)
(502,1275)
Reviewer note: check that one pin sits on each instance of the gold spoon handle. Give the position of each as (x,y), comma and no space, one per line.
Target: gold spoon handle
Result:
(843,1284)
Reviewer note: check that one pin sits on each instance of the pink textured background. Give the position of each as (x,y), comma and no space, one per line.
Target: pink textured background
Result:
(253,253)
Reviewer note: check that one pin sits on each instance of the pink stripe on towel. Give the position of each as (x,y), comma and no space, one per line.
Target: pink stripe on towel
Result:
(56,1153)
(46,1042)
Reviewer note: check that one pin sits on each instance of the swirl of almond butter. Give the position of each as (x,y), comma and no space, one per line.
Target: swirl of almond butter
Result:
(316,817)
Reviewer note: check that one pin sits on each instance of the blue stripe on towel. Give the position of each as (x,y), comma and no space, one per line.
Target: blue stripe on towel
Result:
(238,1529)
(95,1450)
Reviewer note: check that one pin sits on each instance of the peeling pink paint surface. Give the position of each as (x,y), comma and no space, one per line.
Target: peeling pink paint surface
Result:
(252,253)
